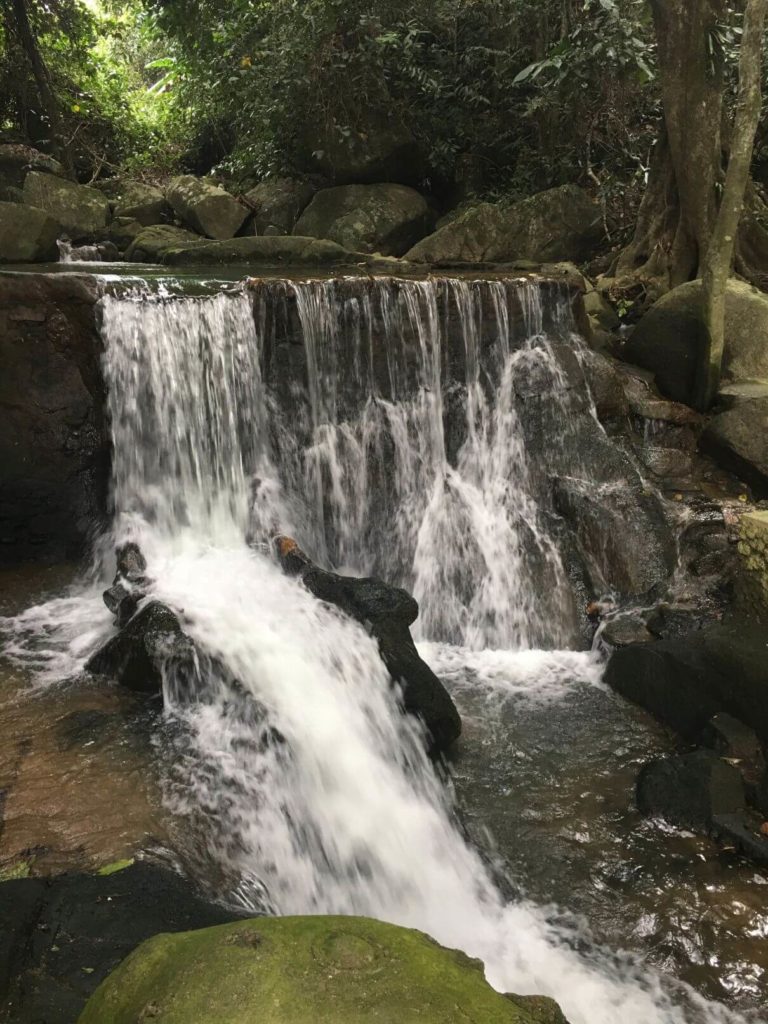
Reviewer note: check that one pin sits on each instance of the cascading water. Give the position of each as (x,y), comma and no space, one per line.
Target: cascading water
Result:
(309,790)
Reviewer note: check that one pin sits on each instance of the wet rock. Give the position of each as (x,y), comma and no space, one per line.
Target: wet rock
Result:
(666,462)
(386,219)
(60,938)
(686,681)
(130,584)
(691,790)
(333,970)
(738,440)
(85,728)
(278,203)
(80,210)
(559,224)
(645,402)
(671,337)
(205,207)
(606,382)
(27,235)
(269,250)
(625,630)
(150,244)
(54,450)
(387,612)
(151,646)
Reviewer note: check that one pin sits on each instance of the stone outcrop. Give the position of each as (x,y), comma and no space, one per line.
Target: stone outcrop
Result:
(387,219)
(670,339)
(738,439)
(277,204)
(140,202)
(265,250)
(387,612)
(753,551)
(27,235)
(81,211)
(328,970)
(53,447)
(205,207)
(17,160)
(559,224)
(150,244)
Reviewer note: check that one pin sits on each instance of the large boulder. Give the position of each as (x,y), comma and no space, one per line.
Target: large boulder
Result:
(387,612)
(277,204)
(670,340)
(268,250)
(367,218)
(303,970)
(27,235)
(150,244)
(206,207)
(17,160)
(690,790)
(738,439)
(559,224)
(140,202)
(54,448)
(82,211)
(686,681)
(83,927)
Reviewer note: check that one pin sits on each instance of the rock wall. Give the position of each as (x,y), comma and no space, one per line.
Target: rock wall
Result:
(54,451)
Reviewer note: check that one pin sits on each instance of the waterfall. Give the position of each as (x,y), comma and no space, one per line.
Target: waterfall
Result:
(381,423)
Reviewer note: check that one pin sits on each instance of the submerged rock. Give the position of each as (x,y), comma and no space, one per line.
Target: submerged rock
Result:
(690,790)
(60,938)
(81,211)
(27,235)
(388,612)
(205,207)
(297,970)
(386,219)
(150,647)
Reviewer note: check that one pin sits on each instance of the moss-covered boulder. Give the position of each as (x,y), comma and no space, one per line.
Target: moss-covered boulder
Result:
(384,218)
(150,244)
(302,970)
(82,211)
(27,235)
(267,250)
(140,202)
(205,207)
(17,160)
(670,338)
(559,224)
(277,204)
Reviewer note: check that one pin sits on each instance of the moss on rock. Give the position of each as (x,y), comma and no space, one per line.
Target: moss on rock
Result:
(303,970)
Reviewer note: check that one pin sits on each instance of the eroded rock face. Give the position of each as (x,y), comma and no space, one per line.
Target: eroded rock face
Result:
(387,219)
(27,235)
(277,204)
(328,970)
(80,210)
(559,224)
(54,448)
(205,207)
(670,338)
(17,160)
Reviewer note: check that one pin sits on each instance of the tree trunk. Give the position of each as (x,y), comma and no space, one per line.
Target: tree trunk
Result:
(720,254)
(678,212)
(42,80)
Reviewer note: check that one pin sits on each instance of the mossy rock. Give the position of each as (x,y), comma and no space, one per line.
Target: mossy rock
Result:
(303,970)
(263,249)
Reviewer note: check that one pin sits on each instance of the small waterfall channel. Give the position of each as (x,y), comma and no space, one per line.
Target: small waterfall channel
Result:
(440,434)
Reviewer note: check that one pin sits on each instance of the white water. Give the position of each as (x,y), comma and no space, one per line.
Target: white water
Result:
(346,815)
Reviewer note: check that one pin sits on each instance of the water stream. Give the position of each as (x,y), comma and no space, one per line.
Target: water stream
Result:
(381,424)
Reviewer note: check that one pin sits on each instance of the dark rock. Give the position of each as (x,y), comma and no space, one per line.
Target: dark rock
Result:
(690,790)
(278,203)
(739,831)
(738,440)
(686,681)
(81,728)
(270,250)
(150,647)
(27,235)
(61,937)
(54,449)
(82,211)
(387,612)
(625,630)
(17,160)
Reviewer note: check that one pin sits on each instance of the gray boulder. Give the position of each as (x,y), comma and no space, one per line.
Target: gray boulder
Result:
(17,160)
(738,439)
(27,235)
(559,224)
(268,250)
(670,339)
(277,203)
(384,218)
(80,210)
(141,202)
(151,243)
(205,207)
(123,230)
